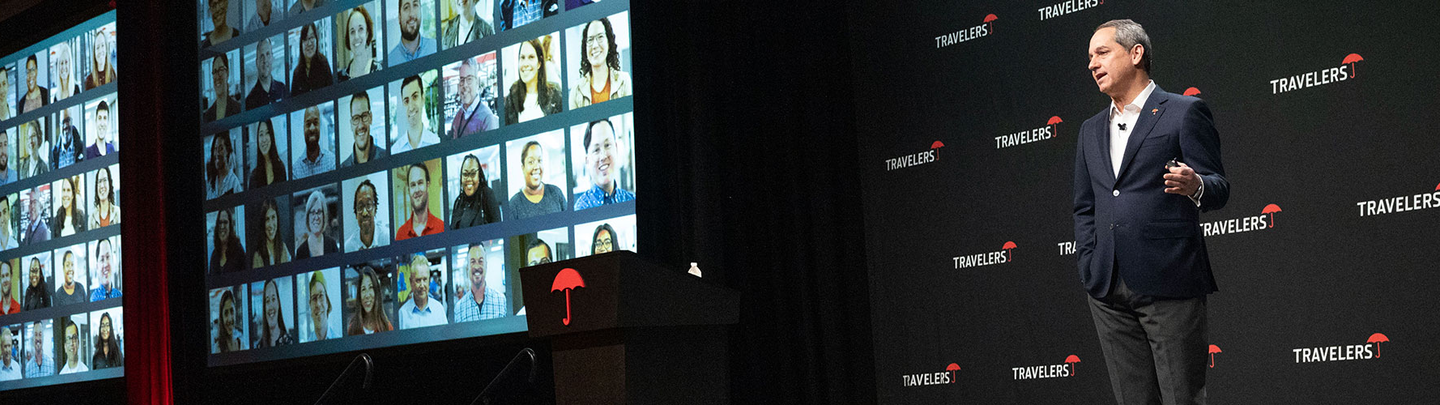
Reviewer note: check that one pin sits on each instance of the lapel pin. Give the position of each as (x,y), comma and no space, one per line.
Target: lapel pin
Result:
(1152,112)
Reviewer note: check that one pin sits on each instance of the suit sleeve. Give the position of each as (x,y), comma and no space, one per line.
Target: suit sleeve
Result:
(1084,214)
(1200,148)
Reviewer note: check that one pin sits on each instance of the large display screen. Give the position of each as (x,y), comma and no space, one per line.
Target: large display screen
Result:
(377,172)
(61,318)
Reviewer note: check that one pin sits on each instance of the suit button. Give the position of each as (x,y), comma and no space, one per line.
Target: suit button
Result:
(1115,193)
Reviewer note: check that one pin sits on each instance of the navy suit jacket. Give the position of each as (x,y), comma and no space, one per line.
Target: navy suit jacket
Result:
(1127,224)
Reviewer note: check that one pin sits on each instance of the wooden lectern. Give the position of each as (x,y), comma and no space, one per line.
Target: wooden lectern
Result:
(625,330)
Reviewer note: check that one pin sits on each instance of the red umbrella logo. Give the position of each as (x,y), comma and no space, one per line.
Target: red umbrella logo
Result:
(1376,339)
(1351,59)
(1009,255)
(1055,120)
(1071,361)
(1437,187)
(1271,209)
(937,145)
(990,19)
(567,280)
(1213,349)
(1192,91)
(952,368)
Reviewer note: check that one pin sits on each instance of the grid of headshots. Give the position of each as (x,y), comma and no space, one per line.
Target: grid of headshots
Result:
(374,167)
(61,282)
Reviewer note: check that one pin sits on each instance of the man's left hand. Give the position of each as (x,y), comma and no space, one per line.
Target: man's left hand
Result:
(1182,180)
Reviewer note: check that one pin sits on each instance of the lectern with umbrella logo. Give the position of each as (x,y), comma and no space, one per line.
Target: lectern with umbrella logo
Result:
(567,280)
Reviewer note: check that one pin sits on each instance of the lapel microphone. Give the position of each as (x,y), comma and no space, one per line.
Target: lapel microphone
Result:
(1122,126)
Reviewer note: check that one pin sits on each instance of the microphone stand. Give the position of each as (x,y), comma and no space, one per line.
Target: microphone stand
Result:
(525,354)
(363,358)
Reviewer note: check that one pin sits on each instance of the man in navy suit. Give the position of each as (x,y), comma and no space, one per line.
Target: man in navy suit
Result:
(1141,253)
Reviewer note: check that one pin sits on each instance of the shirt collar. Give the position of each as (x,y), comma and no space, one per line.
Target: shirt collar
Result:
(1137,103)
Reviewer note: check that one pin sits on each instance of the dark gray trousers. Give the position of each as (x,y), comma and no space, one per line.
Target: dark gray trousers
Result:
(1156,349)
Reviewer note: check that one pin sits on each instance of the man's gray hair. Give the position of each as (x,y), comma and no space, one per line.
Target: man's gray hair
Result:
(1128,33)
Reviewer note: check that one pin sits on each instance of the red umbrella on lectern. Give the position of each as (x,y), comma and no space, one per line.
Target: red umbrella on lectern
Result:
(1213,349)
(990,19)
(1071,361)
(567,280)
(1009,256)
(1351,59)
(1271,209)
(952,368)
(1376,339)
(1192,91)
(1055,120)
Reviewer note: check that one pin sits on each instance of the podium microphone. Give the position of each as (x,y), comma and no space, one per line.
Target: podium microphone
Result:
(528,356)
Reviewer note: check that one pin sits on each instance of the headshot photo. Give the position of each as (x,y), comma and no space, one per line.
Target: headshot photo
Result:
(108,334)
(319,295)
(105,276)
(312,144)
(267,151)
(39,353)
(11,340)
(511,14)
(418,199)
(479,274)
(421,288)
(10,284)
(70,284)
(415,112)
(8,81)
(265,72)
(35,93)
(411,24)
(362,127)
(358,52)
(101,124)
(270,232)
(272,311)
(68,215)
(100,56)
(8,174)
(39,279)
(541,247)
(463,21)
(366,211)
(31,149)
(104,203)
(310,52)
(298,7)
(35,219)
(67,145)
(532,79)
(228,330)
(605,236)
(224,248)
(263,13)
(64,79)
(536,175)
(317,225)
(470,96)
(220,86)
(598,60)
(223,168)
(74,344)
(603,161)
(370,297)
(220,21)
(10,221)
(471,179)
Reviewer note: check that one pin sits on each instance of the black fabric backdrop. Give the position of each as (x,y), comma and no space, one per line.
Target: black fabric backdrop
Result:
(1319,275)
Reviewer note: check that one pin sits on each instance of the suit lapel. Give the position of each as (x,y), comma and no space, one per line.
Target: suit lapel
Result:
(1102,137)
(1154,108)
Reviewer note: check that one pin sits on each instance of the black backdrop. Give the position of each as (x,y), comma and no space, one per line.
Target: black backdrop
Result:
(1317,274)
